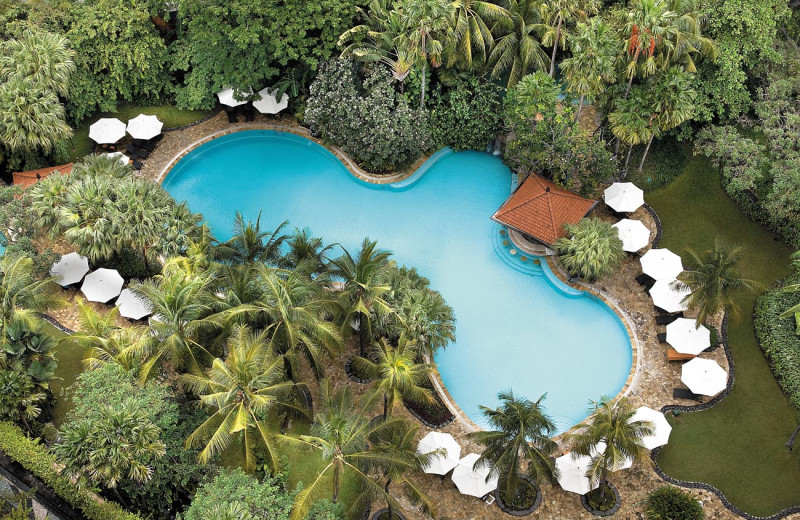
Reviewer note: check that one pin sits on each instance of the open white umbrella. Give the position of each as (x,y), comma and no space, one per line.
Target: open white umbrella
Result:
(687,337)
(704,376)
(440,463)
(267,103)
(226,97)
(661,264)
(661,428)
(133,306)
(102,285)
(144,127)
(633,233)
(107,130)
(623,197)
(121,157)
(572,473)
(669,295)
(473,481)
(70,269)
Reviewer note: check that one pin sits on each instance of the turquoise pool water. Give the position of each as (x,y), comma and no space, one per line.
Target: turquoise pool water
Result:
(517,328)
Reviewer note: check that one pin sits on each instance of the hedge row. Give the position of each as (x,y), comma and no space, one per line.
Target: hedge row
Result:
(778,340)
(38,460)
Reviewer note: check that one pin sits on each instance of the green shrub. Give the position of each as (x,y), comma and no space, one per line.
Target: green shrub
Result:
(592,249)
(777,338)
(38,460)
(466,115)
(671,503)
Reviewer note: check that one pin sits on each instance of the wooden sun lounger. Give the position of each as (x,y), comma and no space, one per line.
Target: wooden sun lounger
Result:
(674,355)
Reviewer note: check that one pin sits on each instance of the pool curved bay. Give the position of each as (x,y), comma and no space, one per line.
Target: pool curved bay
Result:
(518,327)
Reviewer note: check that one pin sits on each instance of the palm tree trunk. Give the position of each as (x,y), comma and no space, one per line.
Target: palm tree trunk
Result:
(422,90)
(335,497)
(361,347)
(630,80)
(146,264)
(385,406)
(603,483)
(388,502)
(555,49)
(119,497)
(644,156)
(580,106)
(630,149)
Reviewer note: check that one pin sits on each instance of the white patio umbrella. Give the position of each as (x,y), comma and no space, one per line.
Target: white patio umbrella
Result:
(633,233)
(661,428)
(70,269)
(661,264)
(623,197)
(144,127)
(102,285)
(687,337)
(704,376)
(443,462)
(132,306)
(117,155)
(572,473)
(226,98)
(267,103)
(473,481)
(669,295)
(107,130)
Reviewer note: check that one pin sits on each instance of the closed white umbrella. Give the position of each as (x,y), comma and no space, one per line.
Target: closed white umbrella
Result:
(687,337)
(70,269)
(107,130)
(633,233)
(267,103)
(572,470)
(661,428)
(133,306)
(144,127)
(121,157)
(661,264)
(471,481)
(704,376)
(226,97)
(623,197)
(669,295)
(440,463)
(102,285)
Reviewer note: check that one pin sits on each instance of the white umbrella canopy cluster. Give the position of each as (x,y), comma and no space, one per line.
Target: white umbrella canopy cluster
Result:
(144,127)
(687,337)
(133,306)
(107,130)
(633,233)
(670,296)
(473,482)
(661,428)
(440,463)
(268,103)
(226,97)
(102,285)
(661,264)
(623,197)
(70,269)
(704,376)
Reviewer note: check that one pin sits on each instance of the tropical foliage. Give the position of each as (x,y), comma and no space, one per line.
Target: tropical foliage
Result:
(591,250)
(672,503)
(466,115)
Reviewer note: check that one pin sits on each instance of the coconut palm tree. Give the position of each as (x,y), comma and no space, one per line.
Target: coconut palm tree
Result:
(517,50)
(364,288)
(240,391)
(555,15)
(397,374)
(250,244)
(303,246)
(610,423)
(520,433)
(529,99)
(22,297)
(713,278)
(46,197)
(104,341)
(632,120)
(595,48)
(470,40)
(688,42)
(593,249)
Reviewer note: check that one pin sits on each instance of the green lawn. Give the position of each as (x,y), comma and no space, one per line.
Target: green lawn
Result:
(70,365)
(737,446)
(171,116)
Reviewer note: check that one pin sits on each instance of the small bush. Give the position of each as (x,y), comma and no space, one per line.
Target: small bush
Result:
(671,503)
(523,498)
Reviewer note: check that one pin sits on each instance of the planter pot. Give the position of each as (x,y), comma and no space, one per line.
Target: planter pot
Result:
(349,371)
(617,503)
(519,512)
(396,515)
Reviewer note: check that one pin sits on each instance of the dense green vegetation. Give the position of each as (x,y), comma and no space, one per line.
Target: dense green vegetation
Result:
(672,503)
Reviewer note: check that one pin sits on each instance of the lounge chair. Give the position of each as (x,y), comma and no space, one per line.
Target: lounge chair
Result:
(645,281)
(231,114)
(674,355)
(249,113)
(712,348)
(685,393)
(135,152)
(662,337)
(666,319)
(144,145)
(137,165)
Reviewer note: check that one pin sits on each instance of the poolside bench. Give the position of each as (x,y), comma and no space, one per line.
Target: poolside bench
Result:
(674,355)
(685,393)
(662,337)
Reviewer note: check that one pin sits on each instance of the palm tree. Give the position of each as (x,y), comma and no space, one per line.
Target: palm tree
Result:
(241,390)
(22,297)
(470,40)
(558,13)
(529,99)
(30,118)
(101,164)
(595,48)
(364,287)
(517,51)
(632,120)
(610,423)
(648,24)
(593,249)
(84,217)
(687,39)
(340,434)
(146,206)
(104,341)
(250,244)
(713,278)
(397,374)
(305,247)
(43,58)
(520,432)
(47,196)
(427,320)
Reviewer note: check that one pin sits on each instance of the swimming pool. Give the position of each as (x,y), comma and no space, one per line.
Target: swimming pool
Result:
(516,328)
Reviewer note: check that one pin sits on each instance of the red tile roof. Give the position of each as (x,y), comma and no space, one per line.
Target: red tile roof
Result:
(540,208)
(29,178)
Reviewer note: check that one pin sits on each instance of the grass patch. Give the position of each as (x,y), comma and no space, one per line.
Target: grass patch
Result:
(70,364)
(737,446)
(666,159)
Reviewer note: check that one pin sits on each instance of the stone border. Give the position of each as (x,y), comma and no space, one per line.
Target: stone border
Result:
(55,323)
(657,220)
(520,512)
(348,369)
(395,512)
(203,119)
